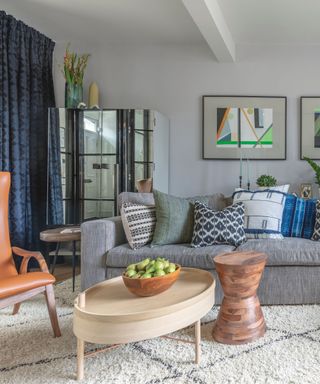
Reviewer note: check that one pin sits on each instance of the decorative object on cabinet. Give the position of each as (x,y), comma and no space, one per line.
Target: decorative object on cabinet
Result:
(73,69)
(96,154)
(254,123)
(306,191)
(266,181)
(310,127)
(144,185)
(93,96)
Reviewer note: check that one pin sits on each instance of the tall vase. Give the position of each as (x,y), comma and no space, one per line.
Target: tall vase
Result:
(73,95)
(93,95)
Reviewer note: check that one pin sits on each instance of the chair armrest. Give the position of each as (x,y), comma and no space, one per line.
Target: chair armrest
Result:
(27,255)
(97,238)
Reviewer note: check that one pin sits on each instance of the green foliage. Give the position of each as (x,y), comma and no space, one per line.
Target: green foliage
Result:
(315,167)
(266,181)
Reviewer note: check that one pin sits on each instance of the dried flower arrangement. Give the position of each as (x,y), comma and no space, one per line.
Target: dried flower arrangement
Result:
(74,66)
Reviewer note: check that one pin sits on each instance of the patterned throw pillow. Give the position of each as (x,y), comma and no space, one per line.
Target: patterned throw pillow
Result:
(218,227)
(138,222)
(316,231)
(263,212)
(298,217)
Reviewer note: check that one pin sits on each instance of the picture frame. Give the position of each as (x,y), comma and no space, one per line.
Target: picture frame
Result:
(306,191)
(236,127)
(310,127)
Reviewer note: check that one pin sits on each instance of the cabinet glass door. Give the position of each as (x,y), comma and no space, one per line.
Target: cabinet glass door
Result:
(143,145)
(98,154)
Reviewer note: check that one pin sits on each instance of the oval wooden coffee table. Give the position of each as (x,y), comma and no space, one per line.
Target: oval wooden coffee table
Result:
(240,318)
(107,313)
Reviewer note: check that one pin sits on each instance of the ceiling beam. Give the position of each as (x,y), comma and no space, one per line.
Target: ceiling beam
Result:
(209,18)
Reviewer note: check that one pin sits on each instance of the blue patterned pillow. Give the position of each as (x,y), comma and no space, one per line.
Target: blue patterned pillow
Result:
(221,227)
(298,217)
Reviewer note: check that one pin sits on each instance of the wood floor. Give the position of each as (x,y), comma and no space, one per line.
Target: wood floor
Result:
(64,271)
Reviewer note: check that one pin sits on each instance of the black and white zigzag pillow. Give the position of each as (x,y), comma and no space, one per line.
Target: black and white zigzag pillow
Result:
(316,228)
(138,222)
(218,227)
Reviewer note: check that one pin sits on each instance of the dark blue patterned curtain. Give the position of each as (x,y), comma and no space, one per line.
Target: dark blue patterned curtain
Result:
(26,92)
(55,196)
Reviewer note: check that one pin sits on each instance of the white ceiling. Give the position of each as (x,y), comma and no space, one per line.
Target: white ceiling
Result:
(167,21)
(111,21)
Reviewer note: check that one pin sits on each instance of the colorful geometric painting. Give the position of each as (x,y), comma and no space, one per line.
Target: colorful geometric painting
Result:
(317,128)
(245,127)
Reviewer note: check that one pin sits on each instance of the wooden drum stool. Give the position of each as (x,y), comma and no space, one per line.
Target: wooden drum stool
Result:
(240,319)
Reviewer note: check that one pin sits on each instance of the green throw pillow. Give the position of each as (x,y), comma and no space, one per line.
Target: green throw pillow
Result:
(174,219)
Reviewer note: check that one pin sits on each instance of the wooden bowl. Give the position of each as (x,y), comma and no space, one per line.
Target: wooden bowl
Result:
(153,285)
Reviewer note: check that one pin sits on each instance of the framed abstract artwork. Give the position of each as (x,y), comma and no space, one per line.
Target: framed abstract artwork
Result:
(310,127)
(253,127)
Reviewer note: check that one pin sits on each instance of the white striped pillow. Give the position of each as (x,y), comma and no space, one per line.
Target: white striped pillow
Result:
(138,222)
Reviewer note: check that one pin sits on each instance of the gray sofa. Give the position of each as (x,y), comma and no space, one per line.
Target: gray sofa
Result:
(292,274)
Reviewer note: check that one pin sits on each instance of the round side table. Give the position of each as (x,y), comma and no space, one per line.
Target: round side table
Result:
(62,235)
(240,318)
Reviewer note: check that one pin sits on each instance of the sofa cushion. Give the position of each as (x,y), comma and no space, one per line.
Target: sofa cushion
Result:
(316,231)
(298,218)
(138,223)
(288,251)
(218,227)
(174,219)
(263,212)
(182,254)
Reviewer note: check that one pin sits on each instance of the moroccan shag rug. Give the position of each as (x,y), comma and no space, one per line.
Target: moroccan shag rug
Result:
(288,353)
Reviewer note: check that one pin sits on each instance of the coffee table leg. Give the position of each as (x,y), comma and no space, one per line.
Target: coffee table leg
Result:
(198,341)
(80,359)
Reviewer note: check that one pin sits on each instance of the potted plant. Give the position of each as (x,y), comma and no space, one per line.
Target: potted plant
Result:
(316,169)
(266,181)
(73,69)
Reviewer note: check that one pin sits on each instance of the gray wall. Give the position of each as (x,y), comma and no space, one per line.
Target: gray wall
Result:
(172,79)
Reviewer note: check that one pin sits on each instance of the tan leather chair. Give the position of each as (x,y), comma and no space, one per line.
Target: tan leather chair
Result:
(14,287)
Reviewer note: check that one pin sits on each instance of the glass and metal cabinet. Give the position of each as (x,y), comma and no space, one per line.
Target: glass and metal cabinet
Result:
(93,155)
(97,160)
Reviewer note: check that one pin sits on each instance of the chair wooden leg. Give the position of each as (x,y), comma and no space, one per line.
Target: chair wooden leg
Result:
(16,308)
(51,304)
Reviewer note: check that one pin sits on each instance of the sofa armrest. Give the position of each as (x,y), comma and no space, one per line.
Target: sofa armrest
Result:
(97,238)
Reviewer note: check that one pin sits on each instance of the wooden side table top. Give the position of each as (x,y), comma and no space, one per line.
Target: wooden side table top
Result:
(61,234)
(240,258)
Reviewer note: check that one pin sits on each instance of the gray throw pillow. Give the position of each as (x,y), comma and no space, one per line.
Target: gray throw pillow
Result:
(175,217)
